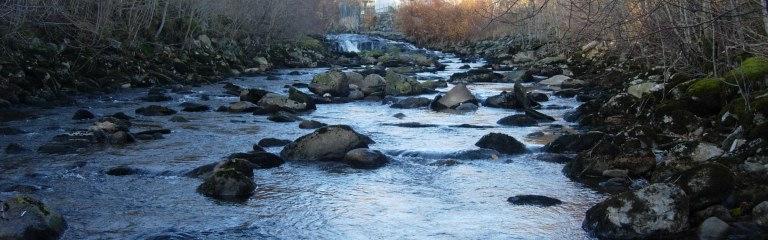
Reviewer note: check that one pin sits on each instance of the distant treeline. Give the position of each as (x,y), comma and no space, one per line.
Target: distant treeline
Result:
(708,36)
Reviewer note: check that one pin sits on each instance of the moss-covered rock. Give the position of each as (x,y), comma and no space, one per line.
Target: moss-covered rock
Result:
(24,217)
(401,85)
(710,94)
(751,69)
(335,83)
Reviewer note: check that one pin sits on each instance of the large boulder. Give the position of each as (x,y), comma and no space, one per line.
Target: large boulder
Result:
(227,184)
(401,85)
(276,101)
(334,83)
(477,75)
(364,158)
(301,97)
(454,98)
(760,214)
(502,143)
(329,143)
(252,95)
(562,81)
(657,210)
(373,83)
(518,120)
(706,184)
(241,107)
(24,217)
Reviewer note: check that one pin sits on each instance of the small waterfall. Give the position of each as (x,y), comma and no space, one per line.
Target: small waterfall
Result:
(348,46)
(357,43)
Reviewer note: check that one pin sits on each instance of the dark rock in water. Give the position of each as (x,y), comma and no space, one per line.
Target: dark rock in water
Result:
(477,75)
(11,131)
(300,85)
(465,66)
(474,154)
(399,115)
(364,158)
(538,116)
(411,125)
(25,217)
(194,107)
(574,143)
(555,107)
(83,114)
(178,119)
(227,184)
(445,163)
(435,84)
(232,89)
(273,78)
(518,120)
(507,100)
(454,98)
(412,102)
(155,131)
(241,107)
(334,83)
(121,116)
(538,97)
(273,142)
(472,126)
(536,200)
(658,210)
(275,101)
(329,143)
(283,117)
(260,159)
(69,143)
(566,93)
(202,171)
(301,97)
(14,148)
(123,171)
(155,110)
(22,188)
(554,158)
(172,236)
(252,95)
(502,143)
(156,97)
(707,184)
(238,164)
(257,148)
(311,124)
(373,83)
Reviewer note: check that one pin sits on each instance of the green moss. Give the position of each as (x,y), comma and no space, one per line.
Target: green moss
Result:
(373,54)
(707,87)
(760,105)
(751,69)
(307,42)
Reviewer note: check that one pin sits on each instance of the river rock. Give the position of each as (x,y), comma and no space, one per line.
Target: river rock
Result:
(454,98)
(301,97)
(155,110)
(227,184)
(760,214)
(194,107)
(412,102)
(657,210)
(503,143)
(242,107)
(612,152)
(252,95)
(259,158)
(435,84)
(538,116)
(371,84)
(273,142)
(536,200)
(518,120)
(574,143)
(706,184)
(122,171)
(24,217)
(272,100)
(83,114)
(562,81)
(334,83)
(311,124)
(283,117)
(713,229)
(364,158)
(329,143)
(538,97)
(477,75)
(507,100)
(401,85)
(14,148)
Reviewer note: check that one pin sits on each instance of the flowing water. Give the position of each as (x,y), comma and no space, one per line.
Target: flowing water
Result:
(411,198)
